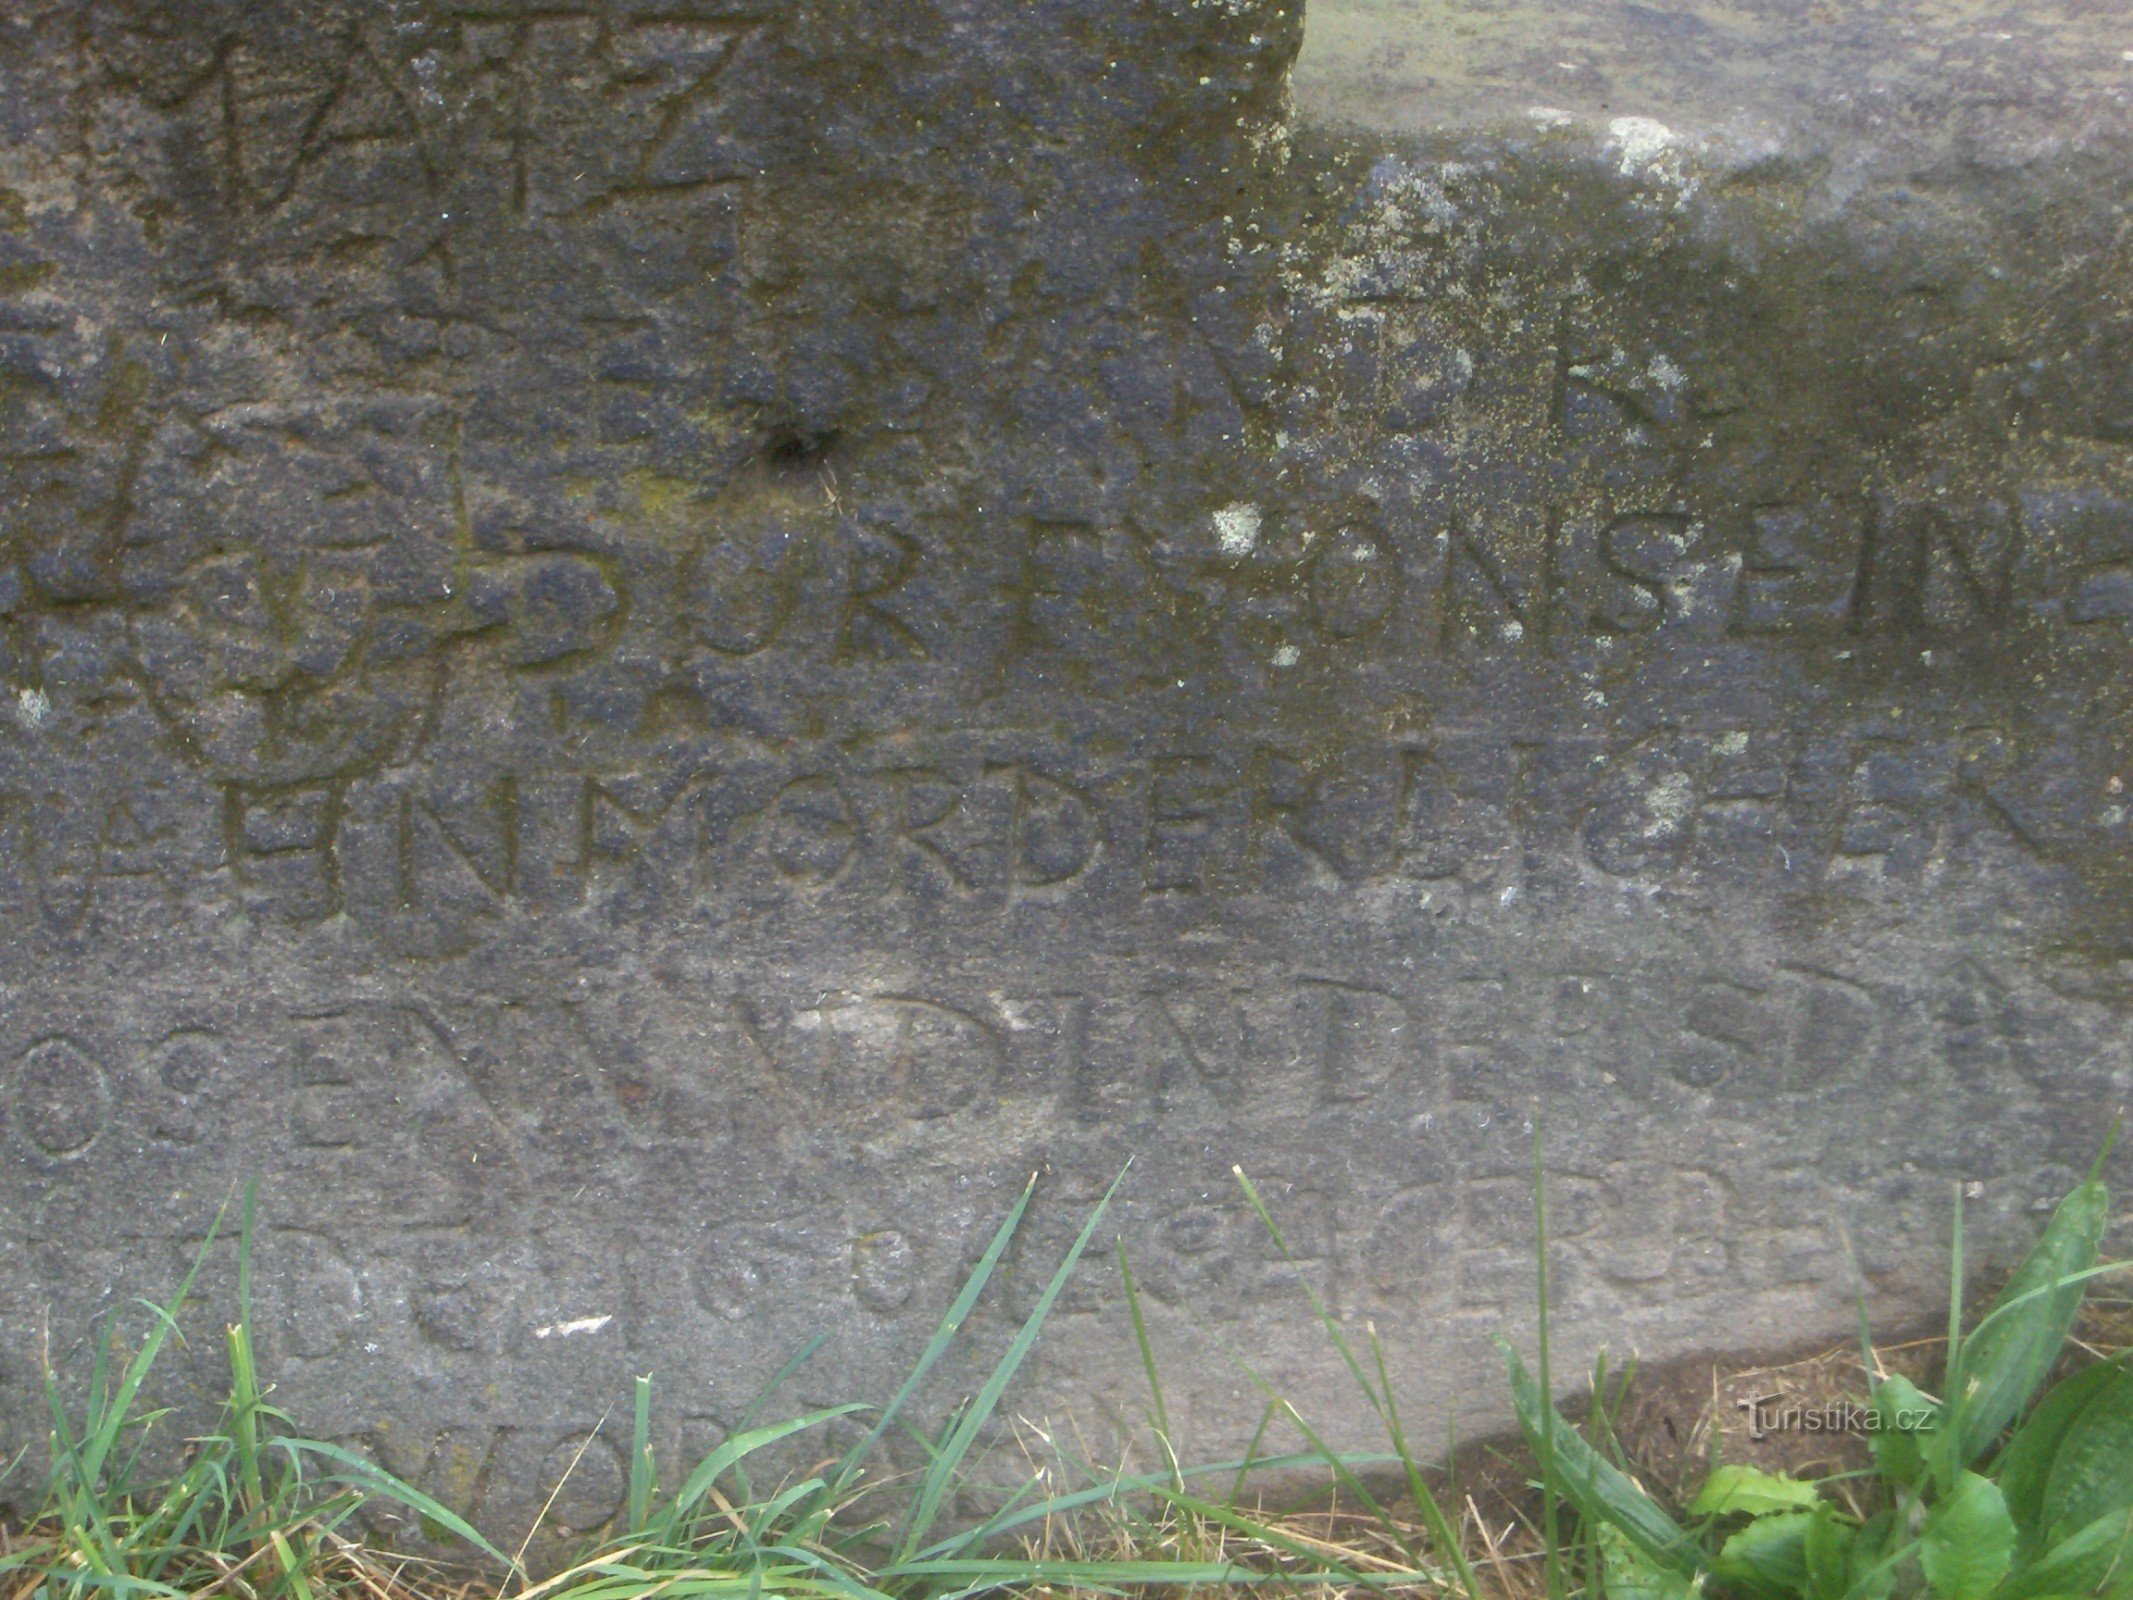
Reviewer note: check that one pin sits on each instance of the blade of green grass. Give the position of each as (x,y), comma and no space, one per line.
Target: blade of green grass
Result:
(1955,1287)
(1121,1485)
(1550,1532)
(1316,1560)
(1101,1576)
(739,1446)
(642,1484)
(1161,1418)
(1381,1403)
(951,1324)
(1251,1451)
(111,1419)
(793,1363)
(1325,1317)
(1331,1459)
(363,1474)
(1440,1528)
(940,1473)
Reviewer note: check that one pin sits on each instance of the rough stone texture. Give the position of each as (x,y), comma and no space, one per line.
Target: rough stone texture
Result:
(653,649)
(1869,89)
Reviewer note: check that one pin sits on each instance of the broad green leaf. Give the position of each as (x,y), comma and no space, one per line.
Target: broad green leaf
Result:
(1735,1488)
(1968,1541)
(2080,1564)
(1767,1558)
(1895,1442)
(2009,1352)
(1628,1574)
(1828,1548)
(1868,1578)
(2092,1472)
(2025,1466)
(1597,1488)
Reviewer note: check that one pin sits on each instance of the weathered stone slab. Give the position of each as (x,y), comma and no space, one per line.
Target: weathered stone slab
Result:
(653,650)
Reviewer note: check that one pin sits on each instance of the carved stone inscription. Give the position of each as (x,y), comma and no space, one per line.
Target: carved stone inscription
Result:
(651,651)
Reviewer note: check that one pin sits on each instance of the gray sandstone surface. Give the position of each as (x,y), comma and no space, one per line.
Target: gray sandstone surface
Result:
(652,649)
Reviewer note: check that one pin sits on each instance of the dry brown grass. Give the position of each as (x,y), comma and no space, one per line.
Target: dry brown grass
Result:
(1674,1422)
(333,1567)
(1505,1554)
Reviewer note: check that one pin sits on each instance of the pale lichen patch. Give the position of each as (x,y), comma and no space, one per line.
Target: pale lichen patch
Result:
(1237,529)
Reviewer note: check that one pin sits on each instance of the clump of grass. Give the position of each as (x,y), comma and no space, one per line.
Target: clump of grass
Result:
(2004,1487)
(257,1512)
